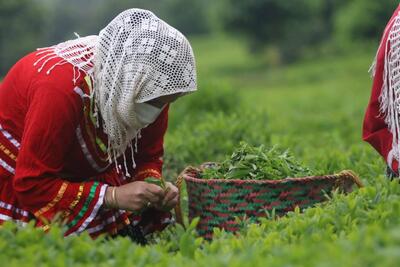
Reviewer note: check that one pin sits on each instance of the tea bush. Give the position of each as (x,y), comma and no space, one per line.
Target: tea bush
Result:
(213,97)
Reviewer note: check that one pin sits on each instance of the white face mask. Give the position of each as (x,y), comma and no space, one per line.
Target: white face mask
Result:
(146,114)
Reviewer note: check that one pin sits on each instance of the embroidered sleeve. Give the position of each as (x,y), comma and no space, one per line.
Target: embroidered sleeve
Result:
(49,131)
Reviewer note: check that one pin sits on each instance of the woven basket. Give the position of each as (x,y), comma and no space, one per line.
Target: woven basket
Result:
(220,202)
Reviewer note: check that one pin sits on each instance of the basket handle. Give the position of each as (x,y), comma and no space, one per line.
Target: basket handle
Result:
(178,207)
(353,176)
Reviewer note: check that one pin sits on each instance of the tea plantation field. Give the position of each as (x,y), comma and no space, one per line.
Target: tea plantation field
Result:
(315,108)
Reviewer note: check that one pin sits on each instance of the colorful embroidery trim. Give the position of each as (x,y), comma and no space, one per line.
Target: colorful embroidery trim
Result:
(9,137)
(8,152)
(10,207)
(95,210)
(78,197)
(7,167)
(60,194)
(148,172)
(85,205)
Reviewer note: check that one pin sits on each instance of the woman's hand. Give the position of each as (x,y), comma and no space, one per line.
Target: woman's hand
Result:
(134,196)
(171,197)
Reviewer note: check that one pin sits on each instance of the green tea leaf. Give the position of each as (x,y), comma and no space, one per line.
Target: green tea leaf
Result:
(156,181)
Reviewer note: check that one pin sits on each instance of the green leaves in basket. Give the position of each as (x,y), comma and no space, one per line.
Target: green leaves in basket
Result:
(237,173)
(257,163)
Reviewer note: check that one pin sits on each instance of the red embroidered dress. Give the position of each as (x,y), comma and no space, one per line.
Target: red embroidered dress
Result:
(375,130)
(53,160)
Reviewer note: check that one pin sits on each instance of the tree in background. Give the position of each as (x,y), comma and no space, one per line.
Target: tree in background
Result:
(288,25)
(360,20)
(21,28)
(293,26)
(190,17)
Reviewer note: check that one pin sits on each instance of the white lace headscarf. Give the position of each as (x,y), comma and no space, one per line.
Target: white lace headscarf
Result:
(137,57)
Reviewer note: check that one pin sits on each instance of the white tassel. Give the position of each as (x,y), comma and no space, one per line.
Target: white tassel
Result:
(76,78)
(115,162)
(132,156)
(74,75)
(61,62)
(40,59)
(125,166)
(45,62)
(138,136)
(384,97)
(372,69)
(45,50)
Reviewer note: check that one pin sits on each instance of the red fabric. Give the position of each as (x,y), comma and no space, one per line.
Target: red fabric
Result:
(50,161)
(375,130)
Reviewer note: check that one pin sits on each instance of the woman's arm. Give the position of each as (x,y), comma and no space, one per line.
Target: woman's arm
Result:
(49,130)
